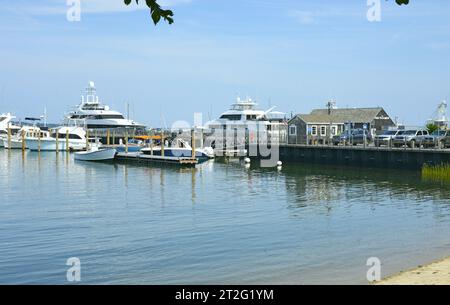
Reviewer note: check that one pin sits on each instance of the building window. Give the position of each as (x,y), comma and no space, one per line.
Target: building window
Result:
(323,131)
(292,130)
(314,130)
(333,130)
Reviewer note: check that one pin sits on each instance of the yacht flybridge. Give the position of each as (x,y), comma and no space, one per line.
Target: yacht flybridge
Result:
(92,114)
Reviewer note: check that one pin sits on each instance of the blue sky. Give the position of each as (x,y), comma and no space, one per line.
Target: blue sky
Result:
(295,54)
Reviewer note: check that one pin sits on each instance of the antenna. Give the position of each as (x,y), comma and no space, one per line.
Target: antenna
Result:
(45,116)
(163,120)
(210,112)
(331,105)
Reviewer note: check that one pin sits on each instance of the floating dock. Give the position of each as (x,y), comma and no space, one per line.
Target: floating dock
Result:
(139,158)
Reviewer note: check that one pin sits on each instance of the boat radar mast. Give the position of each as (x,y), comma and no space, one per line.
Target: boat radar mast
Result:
(91,94)
(440,116)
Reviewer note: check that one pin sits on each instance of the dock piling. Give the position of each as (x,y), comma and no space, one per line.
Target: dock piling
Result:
(87,139)
(23,141)
(193,154)
(67,140)
(57,141)
(39,142)
(9,135)
(162,144)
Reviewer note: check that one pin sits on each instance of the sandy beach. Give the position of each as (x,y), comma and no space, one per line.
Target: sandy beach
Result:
(436,273)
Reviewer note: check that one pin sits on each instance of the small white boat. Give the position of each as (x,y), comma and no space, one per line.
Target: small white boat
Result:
(96,154)
(180,148)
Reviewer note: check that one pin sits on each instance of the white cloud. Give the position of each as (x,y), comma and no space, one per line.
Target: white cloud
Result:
(52,7)
(303,17)
(104,6)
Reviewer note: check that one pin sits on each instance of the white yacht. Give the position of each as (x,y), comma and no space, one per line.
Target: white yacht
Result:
(26,132)
(76,138)
(92,114)
(5,122)
(243,117)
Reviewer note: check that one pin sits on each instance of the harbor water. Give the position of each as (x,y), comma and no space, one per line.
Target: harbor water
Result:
(215,224)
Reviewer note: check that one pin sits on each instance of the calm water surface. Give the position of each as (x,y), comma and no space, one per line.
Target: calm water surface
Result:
(217,224)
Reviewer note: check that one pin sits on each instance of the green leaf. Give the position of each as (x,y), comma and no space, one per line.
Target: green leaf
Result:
(127,2)
(156,17)
(400,2)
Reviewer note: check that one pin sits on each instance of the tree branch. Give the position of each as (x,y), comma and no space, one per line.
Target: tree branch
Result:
(156,12)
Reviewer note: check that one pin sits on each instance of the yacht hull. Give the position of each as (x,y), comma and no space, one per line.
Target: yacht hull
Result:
(96,155)
(15,144)
(51,145)
(179,152)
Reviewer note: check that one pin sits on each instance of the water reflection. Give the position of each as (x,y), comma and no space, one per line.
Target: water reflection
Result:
(216,223)
(324,186)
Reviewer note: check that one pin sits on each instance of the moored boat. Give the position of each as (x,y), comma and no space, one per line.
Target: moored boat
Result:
(96,154)
(95,115)
(5,124)
(73,135)
(27,133)
(180,149)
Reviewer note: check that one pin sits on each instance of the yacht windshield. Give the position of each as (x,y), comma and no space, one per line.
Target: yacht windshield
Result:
(63,136)
(241,107)
(93,107)
(231,117)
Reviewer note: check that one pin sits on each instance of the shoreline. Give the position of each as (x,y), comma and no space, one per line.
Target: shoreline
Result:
(434,273)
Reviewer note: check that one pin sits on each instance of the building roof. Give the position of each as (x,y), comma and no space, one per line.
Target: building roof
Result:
(342,115)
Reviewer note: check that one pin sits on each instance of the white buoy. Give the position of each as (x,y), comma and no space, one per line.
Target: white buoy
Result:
(279,163)
(247,160)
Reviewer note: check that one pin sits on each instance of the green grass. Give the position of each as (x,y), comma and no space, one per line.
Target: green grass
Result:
(436,172)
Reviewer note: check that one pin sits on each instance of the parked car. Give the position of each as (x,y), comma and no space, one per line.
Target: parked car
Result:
(353,137)
(410,138)
(385,138)
(342,138)
(435,139)
(445,141)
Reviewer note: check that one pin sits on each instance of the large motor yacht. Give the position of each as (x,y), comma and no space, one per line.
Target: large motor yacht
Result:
(92,114)
(244,117)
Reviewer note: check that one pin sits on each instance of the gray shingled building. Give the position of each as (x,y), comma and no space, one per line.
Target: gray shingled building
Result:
(321,124)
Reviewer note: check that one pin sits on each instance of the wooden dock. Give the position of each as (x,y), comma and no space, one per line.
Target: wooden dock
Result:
(139,158)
